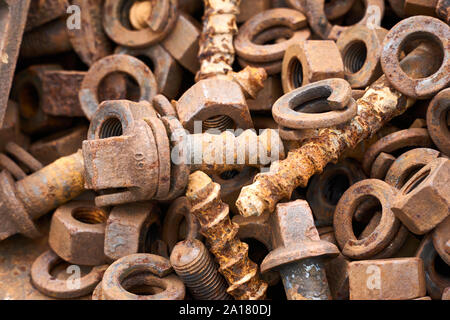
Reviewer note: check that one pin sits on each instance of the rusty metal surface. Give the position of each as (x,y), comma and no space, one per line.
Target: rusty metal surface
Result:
(232,255)
(77,233)
(380,103)
(436,123)
(13,16)
(129,65)
(310,61)
(361,48)
(194,265)
(130,229)
(427,28)
(423,201)
(396,279)
(298,253)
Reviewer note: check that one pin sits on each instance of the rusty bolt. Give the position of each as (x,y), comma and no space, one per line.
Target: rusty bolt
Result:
(384,232)
(194,265)
(221,234)
(310,61)
(159,168)
(423,202)
(35,195)
(387,279)
(77,233)
(298,252)
(361,47)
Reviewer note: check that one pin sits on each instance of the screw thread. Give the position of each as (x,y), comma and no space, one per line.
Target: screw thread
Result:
(232,255)
(199,272)
(227,152)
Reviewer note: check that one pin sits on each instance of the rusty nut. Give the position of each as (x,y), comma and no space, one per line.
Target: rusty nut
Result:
(310,61)
(77,233)
(131,229)
(361,47)
(218,103)
(387,279)
(424,201)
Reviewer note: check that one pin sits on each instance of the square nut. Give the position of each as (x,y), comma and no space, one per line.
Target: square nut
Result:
(310,61)
(424,201)
(387,279)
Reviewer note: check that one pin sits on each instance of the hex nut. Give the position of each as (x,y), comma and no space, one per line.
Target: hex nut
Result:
(77,233)
(424,201)
(310,61)
(387,279)
(360,47)
(218,103)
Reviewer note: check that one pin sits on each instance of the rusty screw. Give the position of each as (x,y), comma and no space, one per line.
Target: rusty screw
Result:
(29,198)
(299,254)
(240,272)
(195,267)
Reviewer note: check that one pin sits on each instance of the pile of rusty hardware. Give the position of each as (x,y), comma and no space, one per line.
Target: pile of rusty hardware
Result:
(225,149)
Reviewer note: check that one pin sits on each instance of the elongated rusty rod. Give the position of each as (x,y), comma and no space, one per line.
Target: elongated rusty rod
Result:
(231,254)
(380,103)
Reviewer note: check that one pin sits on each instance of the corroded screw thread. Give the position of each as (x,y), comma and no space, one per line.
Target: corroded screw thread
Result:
(380,103)
(216,51)
(194,265)
(232,255)
(227,152)
(51,38)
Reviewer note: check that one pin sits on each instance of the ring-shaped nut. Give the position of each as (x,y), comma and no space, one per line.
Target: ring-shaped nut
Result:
(436,281)
(412,28)
(315,11)
(163,106)
(168,73)
(248,50)
(142,268)
(336,92)
(56,288)
(361,47)
(441,240)
(179,209)
(271,67)
(111,64)
(414,137)
(343,216)
(408,163)
(437,123)
(113,16)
